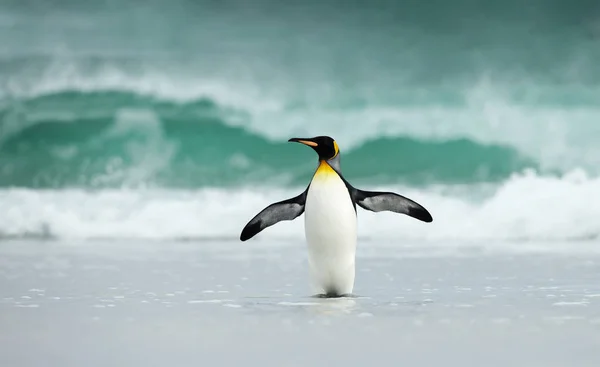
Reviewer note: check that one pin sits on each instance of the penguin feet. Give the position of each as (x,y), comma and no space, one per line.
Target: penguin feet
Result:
(334,295)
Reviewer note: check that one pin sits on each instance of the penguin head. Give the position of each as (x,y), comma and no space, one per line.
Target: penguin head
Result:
(325,146)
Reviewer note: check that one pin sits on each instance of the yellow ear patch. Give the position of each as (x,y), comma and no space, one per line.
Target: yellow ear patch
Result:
(309,143)
(337,149)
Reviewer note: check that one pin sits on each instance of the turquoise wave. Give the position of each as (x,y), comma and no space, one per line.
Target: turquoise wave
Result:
(116,139)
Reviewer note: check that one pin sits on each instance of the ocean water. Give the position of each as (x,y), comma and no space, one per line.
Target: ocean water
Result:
(132,129)
(486,114)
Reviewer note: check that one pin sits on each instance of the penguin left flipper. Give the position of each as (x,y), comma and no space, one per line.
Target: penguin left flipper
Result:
(378,201)
(283,210)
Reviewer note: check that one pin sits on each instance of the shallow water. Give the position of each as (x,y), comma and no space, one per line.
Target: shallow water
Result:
(226,303)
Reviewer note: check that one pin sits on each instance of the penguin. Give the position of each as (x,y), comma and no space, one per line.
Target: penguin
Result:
(330,222)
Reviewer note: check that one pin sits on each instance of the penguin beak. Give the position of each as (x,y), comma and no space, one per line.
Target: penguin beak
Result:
(308,142)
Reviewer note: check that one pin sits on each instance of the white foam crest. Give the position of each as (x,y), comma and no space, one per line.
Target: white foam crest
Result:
(557,136)
(526,207)
(64,75)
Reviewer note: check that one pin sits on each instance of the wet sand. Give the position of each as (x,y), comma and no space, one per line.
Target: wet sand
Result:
(122,303)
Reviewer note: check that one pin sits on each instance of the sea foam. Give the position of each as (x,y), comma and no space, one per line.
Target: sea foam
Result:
(527,207)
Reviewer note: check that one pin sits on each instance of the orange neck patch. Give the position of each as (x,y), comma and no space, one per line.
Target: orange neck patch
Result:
(324,171)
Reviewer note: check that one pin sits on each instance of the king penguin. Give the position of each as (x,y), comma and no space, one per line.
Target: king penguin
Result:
(330,221)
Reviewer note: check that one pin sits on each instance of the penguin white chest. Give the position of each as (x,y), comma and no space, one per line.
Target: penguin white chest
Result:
(330,229)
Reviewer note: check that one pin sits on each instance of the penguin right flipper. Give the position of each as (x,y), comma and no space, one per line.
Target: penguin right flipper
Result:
(283,210)
(378,201)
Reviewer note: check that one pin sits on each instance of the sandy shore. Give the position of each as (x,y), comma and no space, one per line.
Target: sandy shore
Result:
(223,303)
